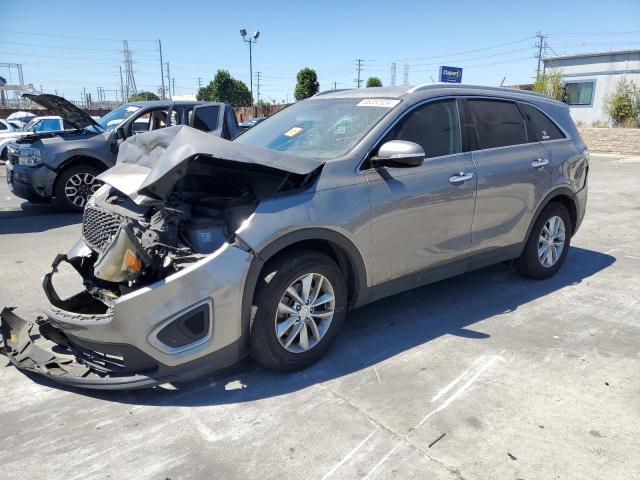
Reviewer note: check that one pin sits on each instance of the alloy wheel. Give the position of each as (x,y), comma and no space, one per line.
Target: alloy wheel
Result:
(80,187)
(551,241)
(305,312)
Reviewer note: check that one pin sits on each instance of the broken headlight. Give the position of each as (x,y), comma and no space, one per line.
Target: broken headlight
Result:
(123,259)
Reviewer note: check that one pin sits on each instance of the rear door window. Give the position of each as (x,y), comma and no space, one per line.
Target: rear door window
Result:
(205,117)
(540,128)
(498,123)
(434,126)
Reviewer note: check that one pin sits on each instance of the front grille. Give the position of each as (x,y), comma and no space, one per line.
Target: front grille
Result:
(99,227)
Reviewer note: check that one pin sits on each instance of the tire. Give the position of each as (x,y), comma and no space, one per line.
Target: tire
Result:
(288,270)
(78,178)
(537,262)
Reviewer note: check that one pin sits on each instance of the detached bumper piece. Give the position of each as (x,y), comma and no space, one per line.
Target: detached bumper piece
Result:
(41,348)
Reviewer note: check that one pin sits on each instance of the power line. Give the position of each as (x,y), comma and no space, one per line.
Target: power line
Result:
(528,39)
(73,36)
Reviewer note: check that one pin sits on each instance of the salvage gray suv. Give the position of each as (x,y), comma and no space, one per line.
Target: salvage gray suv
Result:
(199,251)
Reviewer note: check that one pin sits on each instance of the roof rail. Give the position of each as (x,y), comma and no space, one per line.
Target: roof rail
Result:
(429,86)
(325,92)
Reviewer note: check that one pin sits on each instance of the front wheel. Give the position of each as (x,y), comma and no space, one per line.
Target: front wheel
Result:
(300,305)
(548,243)
(74,187)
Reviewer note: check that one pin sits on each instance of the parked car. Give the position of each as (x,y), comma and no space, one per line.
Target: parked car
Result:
(64,165)
(197,251)
(251,122)
(35,126)
(7,127)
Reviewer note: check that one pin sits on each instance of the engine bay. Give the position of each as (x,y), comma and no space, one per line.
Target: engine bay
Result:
(135,243)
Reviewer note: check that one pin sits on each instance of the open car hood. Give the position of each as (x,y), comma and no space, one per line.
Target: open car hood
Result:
(150,164)
(63,108)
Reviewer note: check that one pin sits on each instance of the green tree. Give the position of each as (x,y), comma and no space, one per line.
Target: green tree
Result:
(225,88)
(307,84)
(550,85)
(374,82)
(623,105)
(143,97)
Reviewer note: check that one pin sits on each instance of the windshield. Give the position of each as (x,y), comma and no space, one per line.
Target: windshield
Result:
(29,126)
(115,117)
(319,128)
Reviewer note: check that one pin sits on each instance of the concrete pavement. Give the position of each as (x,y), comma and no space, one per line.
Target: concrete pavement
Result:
(484,376)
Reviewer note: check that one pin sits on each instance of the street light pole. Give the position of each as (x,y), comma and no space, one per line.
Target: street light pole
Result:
(251,39)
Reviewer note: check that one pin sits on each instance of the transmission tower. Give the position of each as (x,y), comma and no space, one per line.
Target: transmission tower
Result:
(542,49)
(393,74)
(130,81)
(405,74)
(359,69)
(258,84)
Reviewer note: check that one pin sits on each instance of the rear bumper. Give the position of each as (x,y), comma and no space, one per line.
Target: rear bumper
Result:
(123,347)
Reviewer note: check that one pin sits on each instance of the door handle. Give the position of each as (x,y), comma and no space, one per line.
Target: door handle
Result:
(539,163)
(461,177)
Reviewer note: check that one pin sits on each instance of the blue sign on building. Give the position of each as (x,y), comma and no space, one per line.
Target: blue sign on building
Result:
(451,74)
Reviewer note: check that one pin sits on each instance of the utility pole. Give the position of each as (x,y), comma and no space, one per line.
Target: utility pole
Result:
(84,96)
(161,71)
(173,86)
(358,81)
(405,74)
(393,74)
(335,85)
(258,84)
(168,80)
(199,83)
(542,45)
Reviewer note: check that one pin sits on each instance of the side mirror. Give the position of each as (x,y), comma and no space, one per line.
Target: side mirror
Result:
(120,133)
(399,153)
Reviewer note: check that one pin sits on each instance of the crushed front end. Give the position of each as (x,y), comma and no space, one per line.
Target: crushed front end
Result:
(163,274)
(154,292)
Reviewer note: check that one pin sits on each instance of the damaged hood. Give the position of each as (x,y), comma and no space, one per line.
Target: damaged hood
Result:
(63,108)
(151,163)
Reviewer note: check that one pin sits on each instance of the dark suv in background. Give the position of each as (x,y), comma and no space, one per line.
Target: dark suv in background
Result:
(63,165)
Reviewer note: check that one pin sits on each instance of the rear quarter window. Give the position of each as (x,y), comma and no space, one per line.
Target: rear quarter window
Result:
(539,127)
(498,123)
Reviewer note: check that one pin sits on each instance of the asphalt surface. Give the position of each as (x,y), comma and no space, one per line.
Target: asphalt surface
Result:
(487,375)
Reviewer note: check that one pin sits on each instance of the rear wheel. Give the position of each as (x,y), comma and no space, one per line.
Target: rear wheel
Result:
(548,243)
(301,302)
(75,185)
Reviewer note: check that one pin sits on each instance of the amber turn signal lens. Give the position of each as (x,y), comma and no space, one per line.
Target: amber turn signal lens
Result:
(132,262)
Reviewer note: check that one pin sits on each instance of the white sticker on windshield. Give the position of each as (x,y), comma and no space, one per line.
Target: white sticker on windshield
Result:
(378,102)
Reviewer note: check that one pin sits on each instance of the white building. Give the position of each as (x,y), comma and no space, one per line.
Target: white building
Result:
(590,77)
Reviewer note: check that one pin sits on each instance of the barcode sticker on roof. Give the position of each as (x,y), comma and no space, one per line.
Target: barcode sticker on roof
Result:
(378,102)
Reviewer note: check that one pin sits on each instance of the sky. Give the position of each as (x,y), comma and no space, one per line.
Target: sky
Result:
(65,46)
